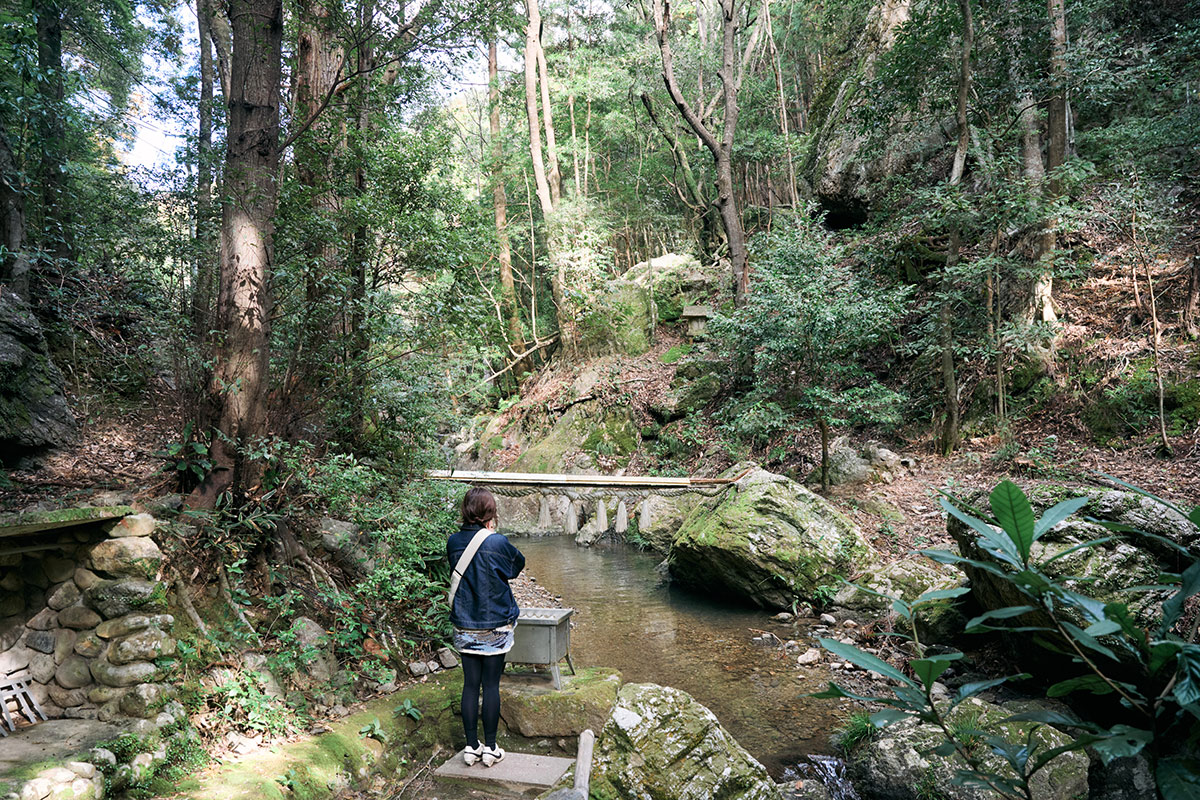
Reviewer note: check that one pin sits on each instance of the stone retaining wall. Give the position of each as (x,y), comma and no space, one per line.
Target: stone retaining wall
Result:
(83,610)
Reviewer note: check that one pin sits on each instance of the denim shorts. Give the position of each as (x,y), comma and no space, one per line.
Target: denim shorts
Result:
(492,642)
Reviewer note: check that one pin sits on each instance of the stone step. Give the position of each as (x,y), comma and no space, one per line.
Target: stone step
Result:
(518,772)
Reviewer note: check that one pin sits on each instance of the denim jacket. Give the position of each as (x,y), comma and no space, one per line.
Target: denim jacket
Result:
(484,600)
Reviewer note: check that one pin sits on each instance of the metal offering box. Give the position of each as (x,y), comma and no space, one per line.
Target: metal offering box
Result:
(543,637)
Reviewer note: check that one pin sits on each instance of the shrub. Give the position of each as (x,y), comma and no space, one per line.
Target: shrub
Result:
(1155,672)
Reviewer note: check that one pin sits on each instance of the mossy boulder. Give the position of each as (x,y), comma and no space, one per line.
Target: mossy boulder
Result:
(686,395)
(768,541)
(620,321)
(533,708)
(34,414)
(661,744)
(907,579)
(675,280)
(896,764)
(1104,572)
(660,518)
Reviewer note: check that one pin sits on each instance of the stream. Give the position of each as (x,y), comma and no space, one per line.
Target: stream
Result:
(629,619)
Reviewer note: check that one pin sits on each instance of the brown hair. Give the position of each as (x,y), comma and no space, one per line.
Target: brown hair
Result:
(478,507)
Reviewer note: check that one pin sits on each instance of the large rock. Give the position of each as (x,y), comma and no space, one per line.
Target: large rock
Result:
(116,598)
(1104,572)
(769,541)
(676,280)
(34,414)
(660,744)
(907,579)
(134,556)
(621,321)
(145,645)
(871,463)
(894,764)
(536,710)
(319,664)
(659,518)
(120,675)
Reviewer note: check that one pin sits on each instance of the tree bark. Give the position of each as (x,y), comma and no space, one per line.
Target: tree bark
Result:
(1056,108)
(14,265)
(793,193)
(202,290)
(55,227)
(566,326)
(722,150)
(1191,308)
(245,302)
(508,288)
(553,175)
(950,426)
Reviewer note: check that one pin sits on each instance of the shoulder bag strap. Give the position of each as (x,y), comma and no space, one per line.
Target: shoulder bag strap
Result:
(464,561)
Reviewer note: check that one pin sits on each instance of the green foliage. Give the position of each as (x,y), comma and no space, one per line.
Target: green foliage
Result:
(857,729)
(375,730)
(675,353)
(803,338)
(1159,696)
(245,706)
(407,709)
(188,459)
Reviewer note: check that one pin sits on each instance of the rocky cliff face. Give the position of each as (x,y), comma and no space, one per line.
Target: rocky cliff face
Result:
(34,415)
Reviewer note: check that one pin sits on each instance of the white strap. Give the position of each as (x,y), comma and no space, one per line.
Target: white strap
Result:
(464,561)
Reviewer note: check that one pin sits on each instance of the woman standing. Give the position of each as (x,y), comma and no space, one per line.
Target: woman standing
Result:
(484,614)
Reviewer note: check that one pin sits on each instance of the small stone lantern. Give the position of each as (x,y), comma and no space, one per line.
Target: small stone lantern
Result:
(696,318)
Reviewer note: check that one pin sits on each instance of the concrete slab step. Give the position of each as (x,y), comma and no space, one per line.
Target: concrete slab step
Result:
(518,772)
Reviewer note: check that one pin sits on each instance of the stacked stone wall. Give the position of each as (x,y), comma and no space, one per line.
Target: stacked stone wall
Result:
(83,611)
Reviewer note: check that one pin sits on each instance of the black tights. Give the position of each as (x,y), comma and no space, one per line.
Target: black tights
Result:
(482,671)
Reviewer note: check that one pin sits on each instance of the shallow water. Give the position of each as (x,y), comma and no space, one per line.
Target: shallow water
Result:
(627,618)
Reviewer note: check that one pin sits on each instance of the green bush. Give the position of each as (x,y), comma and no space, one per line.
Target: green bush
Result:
(1155,672)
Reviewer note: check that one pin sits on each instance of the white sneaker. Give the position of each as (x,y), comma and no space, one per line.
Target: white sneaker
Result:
(470,756)
(492,755)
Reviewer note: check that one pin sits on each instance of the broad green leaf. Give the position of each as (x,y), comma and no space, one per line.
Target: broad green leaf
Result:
(902,608)
(946,557)
(930,669)
(1173,607)
(1178,778)
(976,624)
(943,750)
(969,690)
(1187,689)
(865,660)
(1015,515)
(1087,640)
(1194,517)
(1001,546)
(941,594)
(881,719)
(1055,718)
(1122,741)
(1057,514)
(1084,683)
(1120,613)
(1103,628)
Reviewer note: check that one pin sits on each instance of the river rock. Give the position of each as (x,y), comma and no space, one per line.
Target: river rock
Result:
(67,698)
(89,645)
(133,525)
(136,556)
(41,641)
(73,673)
(41,667)
(116,598)
(145,645)
(142,701)
(895,763)
(104,671)
(769,541)
(44,620)
(85,578)
(63,595)
(58,569)
(64,644)
(660,744)
(537,710)
(660,518)
(79,617)
(123,626)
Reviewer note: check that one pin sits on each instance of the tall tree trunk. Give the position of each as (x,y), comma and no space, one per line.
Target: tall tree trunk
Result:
(318,64)
(202,290)
(55,229)
(221,33)
(1056,108)
(508,288)
(1191,307)
(240,376)
(793,193)
(14,264)
(566,325)
(950,426)
(722,150)
(553,175)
